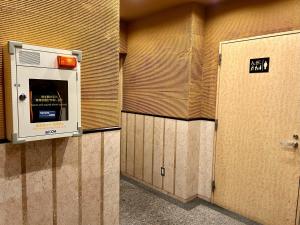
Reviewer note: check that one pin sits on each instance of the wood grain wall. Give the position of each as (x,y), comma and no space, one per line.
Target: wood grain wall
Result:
(68,181)
(157,70)
(123,37)
(184,149)
(91,26)
(172,61)
(235,20)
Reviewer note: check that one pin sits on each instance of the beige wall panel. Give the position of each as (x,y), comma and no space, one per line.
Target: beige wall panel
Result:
(100,113)
(207,133)
(158,151)
(38,156)
(10,185)
(139,147)
(111,178)
(124,143)
(235,20)
(96,33)
(123,37)
(197,47)
(67,181)
(148,149)
(169,155)
(130,143)
(182,142)
(192,162)
(91,178)
(156,70)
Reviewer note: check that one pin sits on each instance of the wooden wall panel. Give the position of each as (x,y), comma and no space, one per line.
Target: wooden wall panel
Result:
(111,177)
(11,182)
(207,135)
(158,153)
(130,144)
(124,143)
(38,162)
(93,27)
(197,48)
(182,140)
(123,37)
(67,190)
(91,172)
(156,71)
(148,149)
(169,155)
(62,181)
(183,148)
(139,147)
(235,20)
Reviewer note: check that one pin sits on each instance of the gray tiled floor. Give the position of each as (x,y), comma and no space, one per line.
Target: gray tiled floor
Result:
(140,206)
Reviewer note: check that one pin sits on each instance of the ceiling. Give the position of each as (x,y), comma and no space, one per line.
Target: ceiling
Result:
(133,9)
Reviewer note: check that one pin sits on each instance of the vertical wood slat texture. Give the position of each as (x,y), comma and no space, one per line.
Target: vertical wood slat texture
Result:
(158,153)
(169,155)
(36,22)
(44,190)
(38,156)
(124,143)
(148,149)
(183,148)
(10,185)
(111,177)
(130,144)
(139,147)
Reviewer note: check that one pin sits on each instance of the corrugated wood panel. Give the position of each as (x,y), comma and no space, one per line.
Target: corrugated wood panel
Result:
(139,147)
(197,48)
(93,27)
(236,20)
(156,71)
(130,144)
(123,37)
(158,151)
(148,148)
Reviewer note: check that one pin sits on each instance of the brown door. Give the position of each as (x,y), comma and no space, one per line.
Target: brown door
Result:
(257,162)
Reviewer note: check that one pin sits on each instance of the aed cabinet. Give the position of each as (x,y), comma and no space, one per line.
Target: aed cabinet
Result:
(42,92)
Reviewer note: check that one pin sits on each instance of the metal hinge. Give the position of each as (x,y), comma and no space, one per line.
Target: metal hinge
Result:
(216,125)
(162,171)
(220,59)
(213,186)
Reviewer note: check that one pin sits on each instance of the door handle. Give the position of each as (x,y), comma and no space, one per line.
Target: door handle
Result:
(290,144)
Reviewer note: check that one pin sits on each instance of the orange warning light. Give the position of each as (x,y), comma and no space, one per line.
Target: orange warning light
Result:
(66,62)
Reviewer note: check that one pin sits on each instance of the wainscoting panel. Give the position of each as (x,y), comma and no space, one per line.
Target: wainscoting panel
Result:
(67,181)
(182,149)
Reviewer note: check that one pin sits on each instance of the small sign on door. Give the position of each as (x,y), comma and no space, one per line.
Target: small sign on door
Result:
(260,65)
